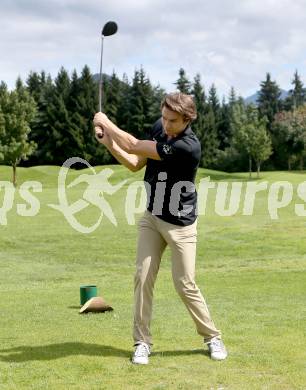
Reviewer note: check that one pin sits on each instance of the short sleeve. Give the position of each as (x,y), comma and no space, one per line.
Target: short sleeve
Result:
(173,151)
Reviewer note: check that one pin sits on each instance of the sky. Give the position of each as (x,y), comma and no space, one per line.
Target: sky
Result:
(228,42)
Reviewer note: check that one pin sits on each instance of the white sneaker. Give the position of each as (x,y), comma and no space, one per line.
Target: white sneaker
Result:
(217,349)
(141,354)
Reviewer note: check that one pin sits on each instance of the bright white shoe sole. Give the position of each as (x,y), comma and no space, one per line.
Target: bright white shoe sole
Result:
(138,361)
(218,356)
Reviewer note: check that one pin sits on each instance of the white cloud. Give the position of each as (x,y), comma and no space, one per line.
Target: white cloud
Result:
(228,42)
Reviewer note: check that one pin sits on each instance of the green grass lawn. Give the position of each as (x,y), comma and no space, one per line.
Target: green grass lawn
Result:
(251,270)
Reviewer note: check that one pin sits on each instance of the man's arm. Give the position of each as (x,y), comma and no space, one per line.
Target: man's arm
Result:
(126,141)
(131,161)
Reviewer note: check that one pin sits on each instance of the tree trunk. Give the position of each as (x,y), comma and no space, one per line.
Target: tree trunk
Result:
(14,175)
(289,163)
(301,162)
(258,169)
(250,167)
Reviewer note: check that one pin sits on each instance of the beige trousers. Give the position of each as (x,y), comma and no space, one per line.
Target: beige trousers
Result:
(154,235)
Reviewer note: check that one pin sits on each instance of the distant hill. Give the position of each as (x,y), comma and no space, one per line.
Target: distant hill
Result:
(253,98)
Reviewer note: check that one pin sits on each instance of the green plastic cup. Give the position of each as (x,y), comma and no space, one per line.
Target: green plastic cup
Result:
(87,292)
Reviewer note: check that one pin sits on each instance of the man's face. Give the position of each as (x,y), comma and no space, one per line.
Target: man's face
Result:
(173,122)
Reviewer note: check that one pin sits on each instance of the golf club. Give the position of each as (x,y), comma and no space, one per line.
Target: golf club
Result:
(110,28)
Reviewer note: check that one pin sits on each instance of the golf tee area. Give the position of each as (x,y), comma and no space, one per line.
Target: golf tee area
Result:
(250,268)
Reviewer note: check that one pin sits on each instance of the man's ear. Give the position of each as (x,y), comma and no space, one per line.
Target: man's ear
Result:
(187,121)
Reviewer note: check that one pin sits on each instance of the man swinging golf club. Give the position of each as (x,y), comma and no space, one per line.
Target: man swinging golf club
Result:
(171,156)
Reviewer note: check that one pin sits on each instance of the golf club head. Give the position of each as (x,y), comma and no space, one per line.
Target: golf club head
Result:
(110,28)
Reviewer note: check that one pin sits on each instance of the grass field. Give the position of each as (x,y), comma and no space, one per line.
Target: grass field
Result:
(251,270)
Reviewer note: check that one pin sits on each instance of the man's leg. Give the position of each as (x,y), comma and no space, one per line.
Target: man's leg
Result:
(149,251)
(182,241)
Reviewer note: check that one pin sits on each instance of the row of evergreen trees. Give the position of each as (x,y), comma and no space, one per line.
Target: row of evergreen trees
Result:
(234,134)
(54,120)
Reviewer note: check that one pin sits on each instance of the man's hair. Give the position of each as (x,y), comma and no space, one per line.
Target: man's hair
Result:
(181,103)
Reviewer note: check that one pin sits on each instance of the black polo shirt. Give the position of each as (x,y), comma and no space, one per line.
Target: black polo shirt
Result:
(170,182)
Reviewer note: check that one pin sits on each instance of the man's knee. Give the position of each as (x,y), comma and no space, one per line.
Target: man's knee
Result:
(185,286)
(145,276)
(139,276)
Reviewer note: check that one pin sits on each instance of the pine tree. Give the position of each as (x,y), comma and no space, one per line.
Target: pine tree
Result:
(225,131)
(3,104)
(136,109)
(214,104)
(182,83)
(140,102)
(112,98)
(213,100)
(155,112)
(269,100)
(227,114)
(124,107)
(34,85)
(206,124)
(41,132)
(37,85)
(3,89)
(199,95)
(232,97)
(147,96)
(82,105)
(297,94)
(62,143)
(198,125)
(209,139)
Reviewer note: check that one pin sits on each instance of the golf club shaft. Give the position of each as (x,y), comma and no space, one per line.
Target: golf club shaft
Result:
(100,135)
(101,76)
(110,28)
